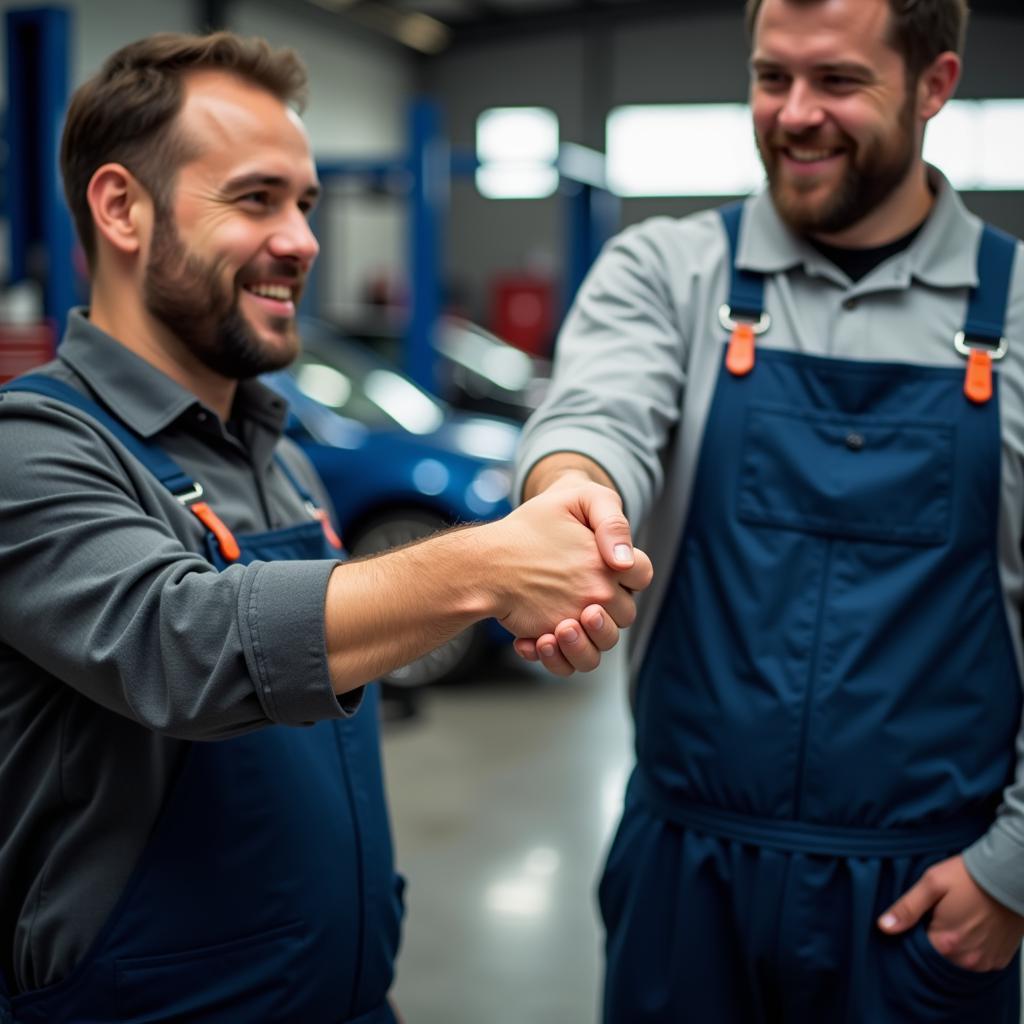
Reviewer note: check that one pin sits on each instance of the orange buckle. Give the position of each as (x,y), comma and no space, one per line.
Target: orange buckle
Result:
(225,538)
(978,378)
(325,524)
(739,358)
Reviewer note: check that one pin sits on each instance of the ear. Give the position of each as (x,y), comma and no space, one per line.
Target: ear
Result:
(936,84)
(122,210)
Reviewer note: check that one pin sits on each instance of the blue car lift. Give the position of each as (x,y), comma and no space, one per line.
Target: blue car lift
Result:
(424,177)
(42,239)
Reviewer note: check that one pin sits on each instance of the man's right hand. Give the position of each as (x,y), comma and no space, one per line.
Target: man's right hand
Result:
(576,644)
(557,558)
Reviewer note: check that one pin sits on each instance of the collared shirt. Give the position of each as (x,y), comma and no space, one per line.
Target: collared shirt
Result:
(119,642)
(640,352)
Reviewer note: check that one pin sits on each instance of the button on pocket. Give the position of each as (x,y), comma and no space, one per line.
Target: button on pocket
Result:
(868,478)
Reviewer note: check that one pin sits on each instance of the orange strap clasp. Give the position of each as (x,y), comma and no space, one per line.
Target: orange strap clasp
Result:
(324,519)
(739,357)
(225,538)
(978,376)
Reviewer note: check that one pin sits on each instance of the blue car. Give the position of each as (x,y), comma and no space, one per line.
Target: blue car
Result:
(398,464)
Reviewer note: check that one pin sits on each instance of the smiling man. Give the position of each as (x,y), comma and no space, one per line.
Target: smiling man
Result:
(192,816)
(814,402)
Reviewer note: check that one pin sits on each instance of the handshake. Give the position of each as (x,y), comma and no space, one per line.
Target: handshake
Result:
(572,589)
(559,573)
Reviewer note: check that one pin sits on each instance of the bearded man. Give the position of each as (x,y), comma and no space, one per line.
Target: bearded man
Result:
(813,401)
(192,816)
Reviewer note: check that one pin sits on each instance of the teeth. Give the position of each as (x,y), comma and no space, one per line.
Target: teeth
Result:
(810,155)
(272,291)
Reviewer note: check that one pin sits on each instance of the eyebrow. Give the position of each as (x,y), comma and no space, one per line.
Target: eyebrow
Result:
(833,67)
(259,180)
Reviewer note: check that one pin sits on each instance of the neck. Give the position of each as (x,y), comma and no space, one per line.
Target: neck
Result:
(899,213)
(122,314)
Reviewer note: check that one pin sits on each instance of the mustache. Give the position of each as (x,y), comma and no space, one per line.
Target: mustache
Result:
(277,269)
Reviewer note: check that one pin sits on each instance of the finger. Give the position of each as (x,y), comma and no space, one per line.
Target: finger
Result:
(551,656)
(621,607)
(911,906)
(602,508)
(600,627)
(576,646)
(639,576)
(526,649)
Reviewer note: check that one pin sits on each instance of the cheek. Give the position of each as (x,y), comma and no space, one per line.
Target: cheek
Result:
(763,112)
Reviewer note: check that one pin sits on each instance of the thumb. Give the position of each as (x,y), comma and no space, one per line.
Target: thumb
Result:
(911,906)
(602,508)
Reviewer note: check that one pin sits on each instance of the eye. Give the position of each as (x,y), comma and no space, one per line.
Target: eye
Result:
(840,83)
(770,79)
(259,199)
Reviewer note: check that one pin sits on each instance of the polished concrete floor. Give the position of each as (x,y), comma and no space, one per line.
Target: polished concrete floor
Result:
(504,794)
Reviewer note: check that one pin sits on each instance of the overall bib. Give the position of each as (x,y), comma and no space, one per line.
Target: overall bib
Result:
(830,700)
(266,894)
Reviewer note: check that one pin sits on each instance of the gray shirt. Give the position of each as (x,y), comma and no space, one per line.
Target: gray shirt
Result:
(120,644)
(640,352)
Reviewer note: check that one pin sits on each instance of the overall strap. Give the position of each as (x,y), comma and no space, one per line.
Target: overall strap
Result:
(746,287)
(318,513)
(982,340)
(151,455)
(743,314)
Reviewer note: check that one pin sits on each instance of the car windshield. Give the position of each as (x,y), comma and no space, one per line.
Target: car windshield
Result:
(355,384)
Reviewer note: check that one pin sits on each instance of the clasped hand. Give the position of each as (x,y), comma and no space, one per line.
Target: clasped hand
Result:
(576,644)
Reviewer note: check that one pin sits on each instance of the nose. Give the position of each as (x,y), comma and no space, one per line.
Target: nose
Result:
(294,239)
(801,109)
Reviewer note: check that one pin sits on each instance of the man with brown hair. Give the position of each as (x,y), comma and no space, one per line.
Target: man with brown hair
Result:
(814,400)
(193,816)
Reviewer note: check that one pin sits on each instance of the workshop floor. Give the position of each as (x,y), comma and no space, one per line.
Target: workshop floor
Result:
(504,795)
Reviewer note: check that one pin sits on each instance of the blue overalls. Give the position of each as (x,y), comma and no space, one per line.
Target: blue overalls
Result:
(830,700)
(266,894)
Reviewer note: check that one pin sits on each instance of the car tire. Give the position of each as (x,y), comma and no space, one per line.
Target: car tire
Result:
(450,661)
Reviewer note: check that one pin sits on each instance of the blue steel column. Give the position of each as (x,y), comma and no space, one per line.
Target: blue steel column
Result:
(42,239)
(429,166)
(592,217)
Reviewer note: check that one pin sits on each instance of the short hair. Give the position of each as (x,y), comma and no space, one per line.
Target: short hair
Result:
(919,30)
(126,112)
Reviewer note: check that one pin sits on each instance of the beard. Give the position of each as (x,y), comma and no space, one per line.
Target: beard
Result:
(186,295)
(873,170)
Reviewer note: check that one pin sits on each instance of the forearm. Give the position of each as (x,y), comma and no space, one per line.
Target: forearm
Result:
(538,566)
(387,610)
(563,466)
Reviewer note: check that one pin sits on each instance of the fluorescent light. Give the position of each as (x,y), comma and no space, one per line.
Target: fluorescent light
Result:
(516,181)
(682,149)
(978,144)
(708,149)
(518,135)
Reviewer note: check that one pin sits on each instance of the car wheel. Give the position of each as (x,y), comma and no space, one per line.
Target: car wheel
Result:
(458,655)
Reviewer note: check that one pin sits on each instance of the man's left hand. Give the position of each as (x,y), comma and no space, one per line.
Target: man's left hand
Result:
(968,926)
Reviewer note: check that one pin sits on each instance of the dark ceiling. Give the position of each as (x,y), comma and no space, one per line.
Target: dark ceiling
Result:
(432,26)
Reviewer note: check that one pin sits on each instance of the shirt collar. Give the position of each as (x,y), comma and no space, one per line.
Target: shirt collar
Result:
(943,254)
(143,397)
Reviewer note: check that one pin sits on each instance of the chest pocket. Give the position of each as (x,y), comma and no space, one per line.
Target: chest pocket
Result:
(856,477)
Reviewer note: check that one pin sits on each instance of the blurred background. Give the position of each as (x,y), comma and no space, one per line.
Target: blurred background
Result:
(476,155)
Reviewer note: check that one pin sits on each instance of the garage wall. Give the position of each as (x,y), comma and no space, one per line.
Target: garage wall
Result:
(697,58)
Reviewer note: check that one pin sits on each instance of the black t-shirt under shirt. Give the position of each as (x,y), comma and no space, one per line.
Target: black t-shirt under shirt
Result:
(857,263)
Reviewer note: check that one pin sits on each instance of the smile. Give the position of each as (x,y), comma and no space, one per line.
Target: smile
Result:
(810,156)
(279,292)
